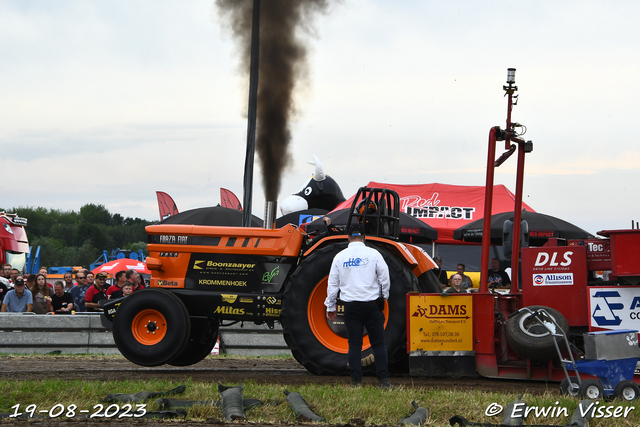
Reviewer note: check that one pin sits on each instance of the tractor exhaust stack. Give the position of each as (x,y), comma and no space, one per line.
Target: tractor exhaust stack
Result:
(270,209)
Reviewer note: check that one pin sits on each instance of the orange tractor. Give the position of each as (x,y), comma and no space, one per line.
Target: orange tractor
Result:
(203,276)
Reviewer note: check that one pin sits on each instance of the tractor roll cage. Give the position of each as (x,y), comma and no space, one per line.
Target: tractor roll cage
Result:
(384,221)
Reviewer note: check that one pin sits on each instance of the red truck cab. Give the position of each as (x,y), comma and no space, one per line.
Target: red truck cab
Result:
(14,245)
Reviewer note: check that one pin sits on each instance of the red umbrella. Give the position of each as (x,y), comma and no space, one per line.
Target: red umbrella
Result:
(112,267)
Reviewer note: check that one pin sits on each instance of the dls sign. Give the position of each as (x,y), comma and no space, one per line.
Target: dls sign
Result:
(556,277)
(550,259)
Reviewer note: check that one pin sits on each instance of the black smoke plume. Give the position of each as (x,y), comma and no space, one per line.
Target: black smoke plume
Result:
(282,68)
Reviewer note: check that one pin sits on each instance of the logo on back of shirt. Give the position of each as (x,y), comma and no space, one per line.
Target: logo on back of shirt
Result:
(356,262)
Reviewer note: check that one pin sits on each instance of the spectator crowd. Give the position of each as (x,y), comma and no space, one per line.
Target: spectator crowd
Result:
(32,293)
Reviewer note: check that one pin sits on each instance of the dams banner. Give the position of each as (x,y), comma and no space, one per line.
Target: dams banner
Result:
(446,207)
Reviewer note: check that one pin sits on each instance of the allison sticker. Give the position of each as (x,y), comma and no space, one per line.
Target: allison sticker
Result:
(564,279)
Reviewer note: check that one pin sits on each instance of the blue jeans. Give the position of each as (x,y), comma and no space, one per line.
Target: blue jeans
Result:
(358,315)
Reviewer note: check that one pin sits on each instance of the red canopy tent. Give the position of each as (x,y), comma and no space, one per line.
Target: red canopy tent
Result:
(446,207)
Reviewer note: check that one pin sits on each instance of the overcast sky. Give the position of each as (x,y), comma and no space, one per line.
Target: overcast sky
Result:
(108,102)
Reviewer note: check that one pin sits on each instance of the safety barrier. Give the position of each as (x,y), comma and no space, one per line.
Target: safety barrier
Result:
(253,340)
(84,333)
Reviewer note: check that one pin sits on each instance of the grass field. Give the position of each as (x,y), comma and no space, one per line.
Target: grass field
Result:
(338,403)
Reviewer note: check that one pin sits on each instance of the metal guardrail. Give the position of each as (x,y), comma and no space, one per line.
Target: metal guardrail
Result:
(82,333)
(253,340)
(85,334)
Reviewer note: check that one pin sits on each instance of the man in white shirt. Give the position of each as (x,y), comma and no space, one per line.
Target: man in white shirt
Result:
(361,276)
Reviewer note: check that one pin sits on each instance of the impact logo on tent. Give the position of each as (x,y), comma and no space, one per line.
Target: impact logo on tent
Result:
(419,207)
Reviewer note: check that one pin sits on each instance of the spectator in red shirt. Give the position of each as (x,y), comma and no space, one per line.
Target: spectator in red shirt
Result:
(135,279)
(126,290)
(95,293)
(120,280)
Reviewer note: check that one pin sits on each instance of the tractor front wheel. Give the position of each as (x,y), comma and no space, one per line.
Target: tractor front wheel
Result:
(151,327)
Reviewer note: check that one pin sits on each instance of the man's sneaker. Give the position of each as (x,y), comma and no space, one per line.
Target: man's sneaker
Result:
(385,384)
(356,383)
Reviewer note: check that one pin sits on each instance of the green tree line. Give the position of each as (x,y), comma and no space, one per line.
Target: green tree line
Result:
(70,238)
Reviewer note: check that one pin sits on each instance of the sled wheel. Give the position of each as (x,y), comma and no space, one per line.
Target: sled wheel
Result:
(322,346)
(530,339)
(591,389)
(626,390)
(569,387)
(203,337)
(151,327)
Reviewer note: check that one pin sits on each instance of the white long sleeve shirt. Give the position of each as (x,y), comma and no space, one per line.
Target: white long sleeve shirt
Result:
(358,272)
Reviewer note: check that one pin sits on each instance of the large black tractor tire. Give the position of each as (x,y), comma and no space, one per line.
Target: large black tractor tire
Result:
(151,327)
(203,337)
(530,339)
(306,330)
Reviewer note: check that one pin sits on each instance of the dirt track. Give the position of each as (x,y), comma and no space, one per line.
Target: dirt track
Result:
(233,371)
(214,369)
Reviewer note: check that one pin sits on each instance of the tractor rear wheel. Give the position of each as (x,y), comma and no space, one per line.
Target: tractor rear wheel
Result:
(321,346)
(151,327)
(203,337)
(530,339)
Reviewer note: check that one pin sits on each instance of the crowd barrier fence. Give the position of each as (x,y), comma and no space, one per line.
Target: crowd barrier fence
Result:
(24,333)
